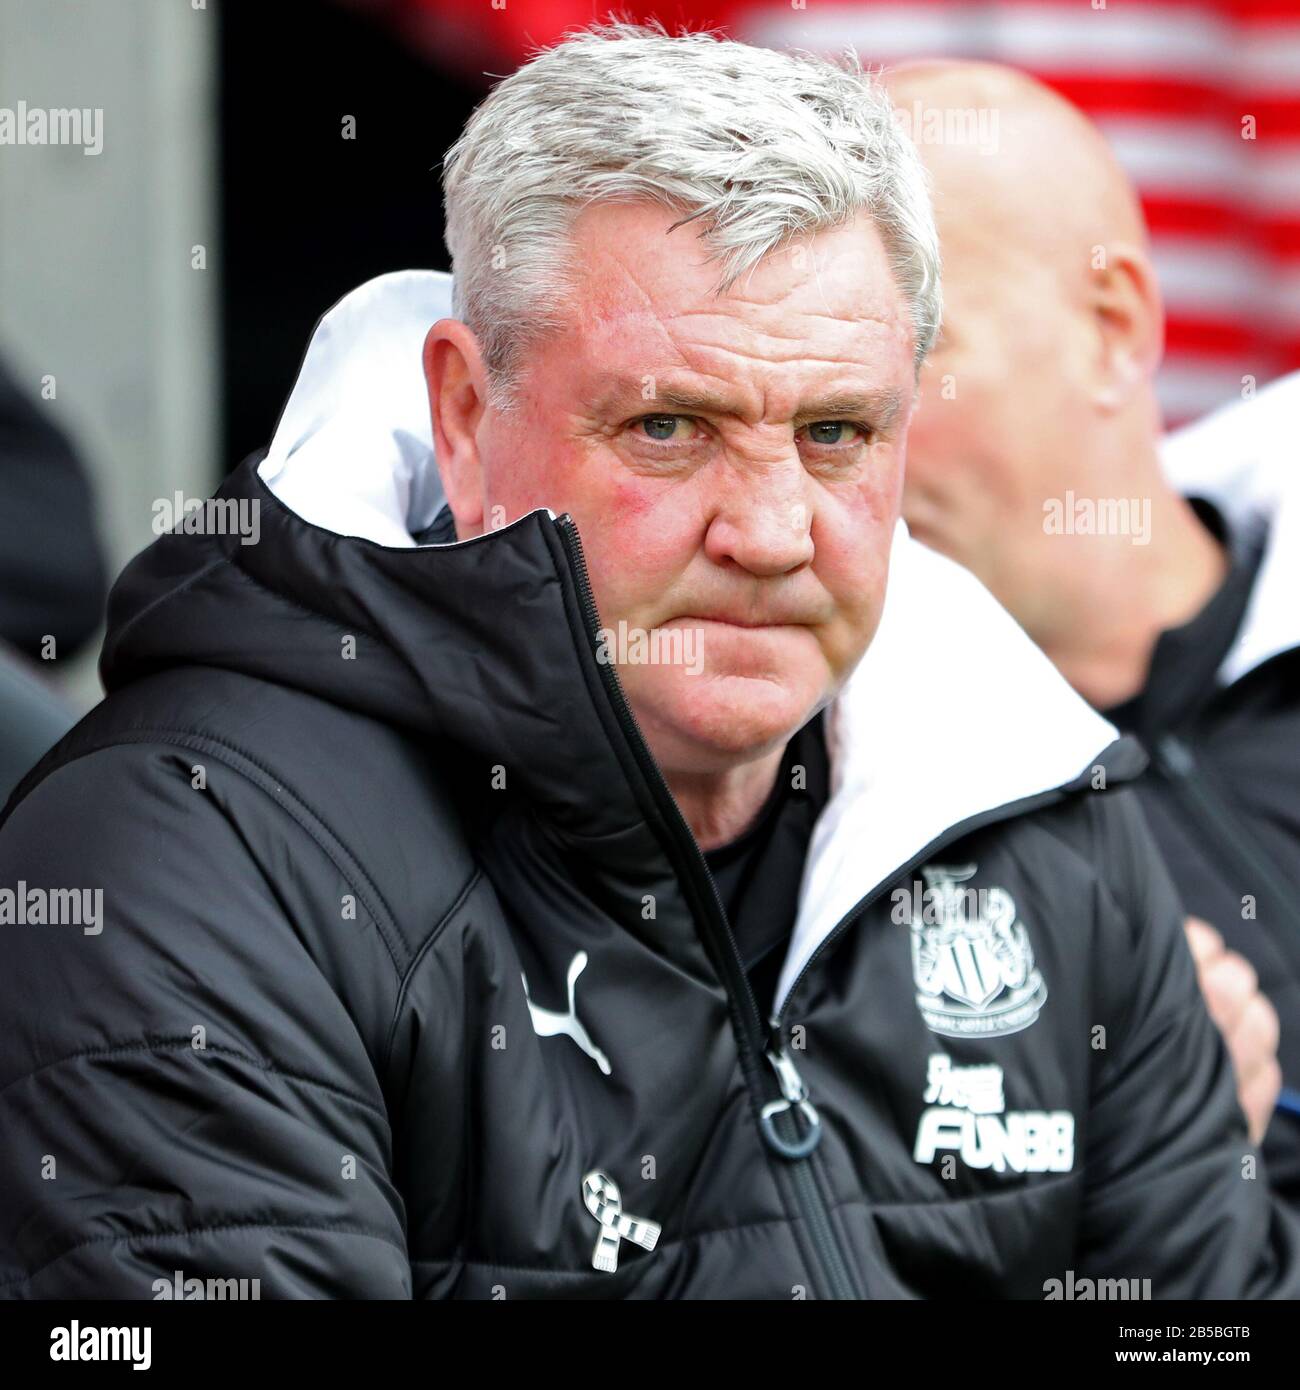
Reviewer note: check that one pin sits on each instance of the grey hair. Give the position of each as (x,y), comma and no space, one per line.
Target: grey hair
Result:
(760,146)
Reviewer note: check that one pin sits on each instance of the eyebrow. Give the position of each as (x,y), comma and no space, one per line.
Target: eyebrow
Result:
(880,407)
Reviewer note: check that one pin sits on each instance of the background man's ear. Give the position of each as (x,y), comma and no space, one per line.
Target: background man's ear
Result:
(456,378)
(1130,320)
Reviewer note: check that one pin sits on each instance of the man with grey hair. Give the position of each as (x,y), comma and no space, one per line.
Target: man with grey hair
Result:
(585,848)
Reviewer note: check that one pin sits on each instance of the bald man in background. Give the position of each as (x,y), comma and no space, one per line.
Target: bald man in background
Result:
(1037,416)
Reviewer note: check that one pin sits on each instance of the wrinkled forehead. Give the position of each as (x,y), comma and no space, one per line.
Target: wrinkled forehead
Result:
(816,311)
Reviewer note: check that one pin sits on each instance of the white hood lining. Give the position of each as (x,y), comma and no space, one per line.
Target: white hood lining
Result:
(361,395)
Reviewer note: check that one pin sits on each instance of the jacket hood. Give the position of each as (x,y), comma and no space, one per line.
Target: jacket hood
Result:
(1245,460)
(952,715)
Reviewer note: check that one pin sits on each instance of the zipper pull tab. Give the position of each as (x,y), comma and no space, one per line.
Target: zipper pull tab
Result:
(794,1096)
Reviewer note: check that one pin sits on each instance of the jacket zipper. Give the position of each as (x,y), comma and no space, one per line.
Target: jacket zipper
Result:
(793,1089)
(780,1131)
(1177,763)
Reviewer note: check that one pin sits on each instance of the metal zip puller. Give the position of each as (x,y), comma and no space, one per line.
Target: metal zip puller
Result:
(795,1094)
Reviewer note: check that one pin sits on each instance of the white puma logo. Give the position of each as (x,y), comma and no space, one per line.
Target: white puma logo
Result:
(547,1023)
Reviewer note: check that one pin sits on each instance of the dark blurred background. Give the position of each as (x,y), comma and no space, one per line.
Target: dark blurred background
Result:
(305,214)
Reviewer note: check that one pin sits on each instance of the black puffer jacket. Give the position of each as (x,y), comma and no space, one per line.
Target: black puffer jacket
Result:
(343,798)
(1221,716)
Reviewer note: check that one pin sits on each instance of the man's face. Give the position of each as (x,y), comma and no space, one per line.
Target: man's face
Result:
(997,417)
(734,466)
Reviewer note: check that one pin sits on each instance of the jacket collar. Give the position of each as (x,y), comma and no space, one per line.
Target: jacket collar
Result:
(1243,459)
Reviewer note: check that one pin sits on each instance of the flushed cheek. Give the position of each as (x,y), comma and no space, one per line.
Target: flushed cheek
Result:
(660,518)
(534,479)
(627,498)
(635,553)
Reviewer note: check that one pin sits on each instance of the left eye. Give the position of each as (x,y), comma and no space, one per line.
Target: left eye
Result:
(664,428)
(833,431)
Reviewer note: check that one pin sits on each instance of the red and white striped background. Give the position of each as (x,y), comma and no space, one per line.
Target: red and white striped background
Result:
(1170,83)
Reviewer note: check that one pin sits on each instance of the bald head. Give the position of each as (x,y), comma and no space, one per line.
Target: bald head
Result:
(1041,381)
(1041,177)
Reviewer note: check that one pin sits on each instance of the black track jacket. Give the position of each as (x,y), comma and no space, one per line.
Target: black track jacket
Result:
(410,979)
(1220,716)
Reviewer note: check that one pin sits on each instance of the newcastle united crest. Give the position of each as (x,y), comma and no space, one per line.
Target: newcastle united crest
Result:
(971,958)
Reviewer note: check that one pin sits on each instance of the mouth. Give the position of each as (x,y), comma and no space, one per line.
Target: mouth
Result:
(737,622)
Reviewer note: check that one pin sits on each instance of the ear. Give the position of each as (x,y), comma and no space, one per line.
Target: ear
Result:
(1130,322)
(456,377)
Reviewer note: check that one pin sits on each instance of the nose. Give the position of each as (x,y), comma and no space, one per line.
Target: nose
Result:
(763,519)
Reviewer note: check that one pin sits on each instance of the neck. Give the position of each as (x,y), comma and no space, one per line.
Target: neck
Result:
(1108,610)
(721,806)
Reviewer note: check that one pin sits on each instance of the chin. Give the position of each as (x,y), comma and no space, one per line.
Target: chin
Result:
(709,723)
